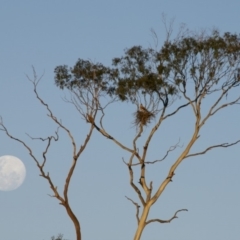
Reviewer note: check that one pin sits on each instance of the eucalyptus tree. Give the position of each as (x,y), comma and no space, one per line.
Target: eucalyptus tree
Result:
(188,71)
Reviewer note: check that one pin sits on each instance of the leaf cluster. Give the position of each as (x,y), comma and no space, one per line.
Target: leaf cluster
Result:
(138,74)
(200,57)
(158,74)
(85,74)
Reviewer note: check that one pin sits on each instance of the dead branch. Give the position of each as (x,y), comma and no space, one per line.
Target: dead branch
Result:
(76,153)
(166,221)
(35,82)
(44,139)
(48,139)
(135,140)
(39,165)
(212,110)
(137,208)
(74,162)
(180,107)
(172,148)
(136,189)
(223,145)
(105,134)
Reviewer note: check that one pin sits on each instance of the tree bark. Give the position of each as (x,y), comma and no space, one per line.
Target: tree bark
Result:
(75,222)
(142,222)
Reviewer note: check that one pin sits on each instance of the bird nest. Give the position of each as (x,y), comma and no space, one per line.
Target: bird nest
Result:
(143,117)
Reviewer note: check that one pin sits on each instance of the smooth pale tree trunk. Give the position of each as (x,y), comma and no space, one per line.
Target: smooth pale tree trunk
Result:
(75,222)
(142,222)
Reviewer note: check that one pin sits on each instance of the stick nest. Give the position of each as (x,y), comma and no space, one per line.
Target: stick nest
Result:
(143,117)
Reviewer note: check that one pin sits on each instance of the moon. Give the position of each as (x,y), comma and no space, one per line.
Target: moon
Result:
(12,173)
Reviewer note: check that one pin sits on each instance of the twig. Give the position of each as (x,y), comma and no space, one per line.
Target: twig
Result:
(137,208)
(224,145)
(166,221)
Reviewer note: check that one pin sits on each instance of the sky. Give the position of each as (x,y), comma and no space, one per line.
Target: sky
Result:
(45,34)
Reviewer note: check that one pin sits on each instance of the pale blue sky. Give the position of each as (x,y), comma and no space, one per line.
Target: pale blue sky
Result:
(50,33)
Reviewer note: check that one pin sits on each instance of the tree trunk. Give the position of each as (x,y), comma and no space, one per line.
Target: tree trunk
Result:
(75,222)
(142,222)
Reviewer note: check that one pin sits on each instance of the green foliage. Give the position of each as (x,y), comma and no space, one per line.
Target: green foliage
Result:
(203,59)
(85,76)
(138,74)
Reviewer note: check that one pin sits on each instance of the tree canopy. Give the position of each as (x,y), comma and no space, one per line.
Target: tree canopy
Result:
(183,73)
(190,67)
(200,58)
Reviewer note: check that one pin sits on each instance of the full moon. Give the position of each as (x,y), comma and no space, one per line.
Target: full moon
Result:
(12,173)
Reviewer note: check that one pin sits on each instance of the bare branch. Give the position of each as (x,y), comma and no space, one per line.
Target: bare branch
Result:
(74,162)
(212,110)
(182,106)
(154,129)
(40,166)
(136,138)
(48,139)
(172,148)
(168,26)
(105,134)
(35,82)
(142,180)
(132,184)
(137,208)
(166,221)
(226,104)
(178,161)
(223,145)
(45,139)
